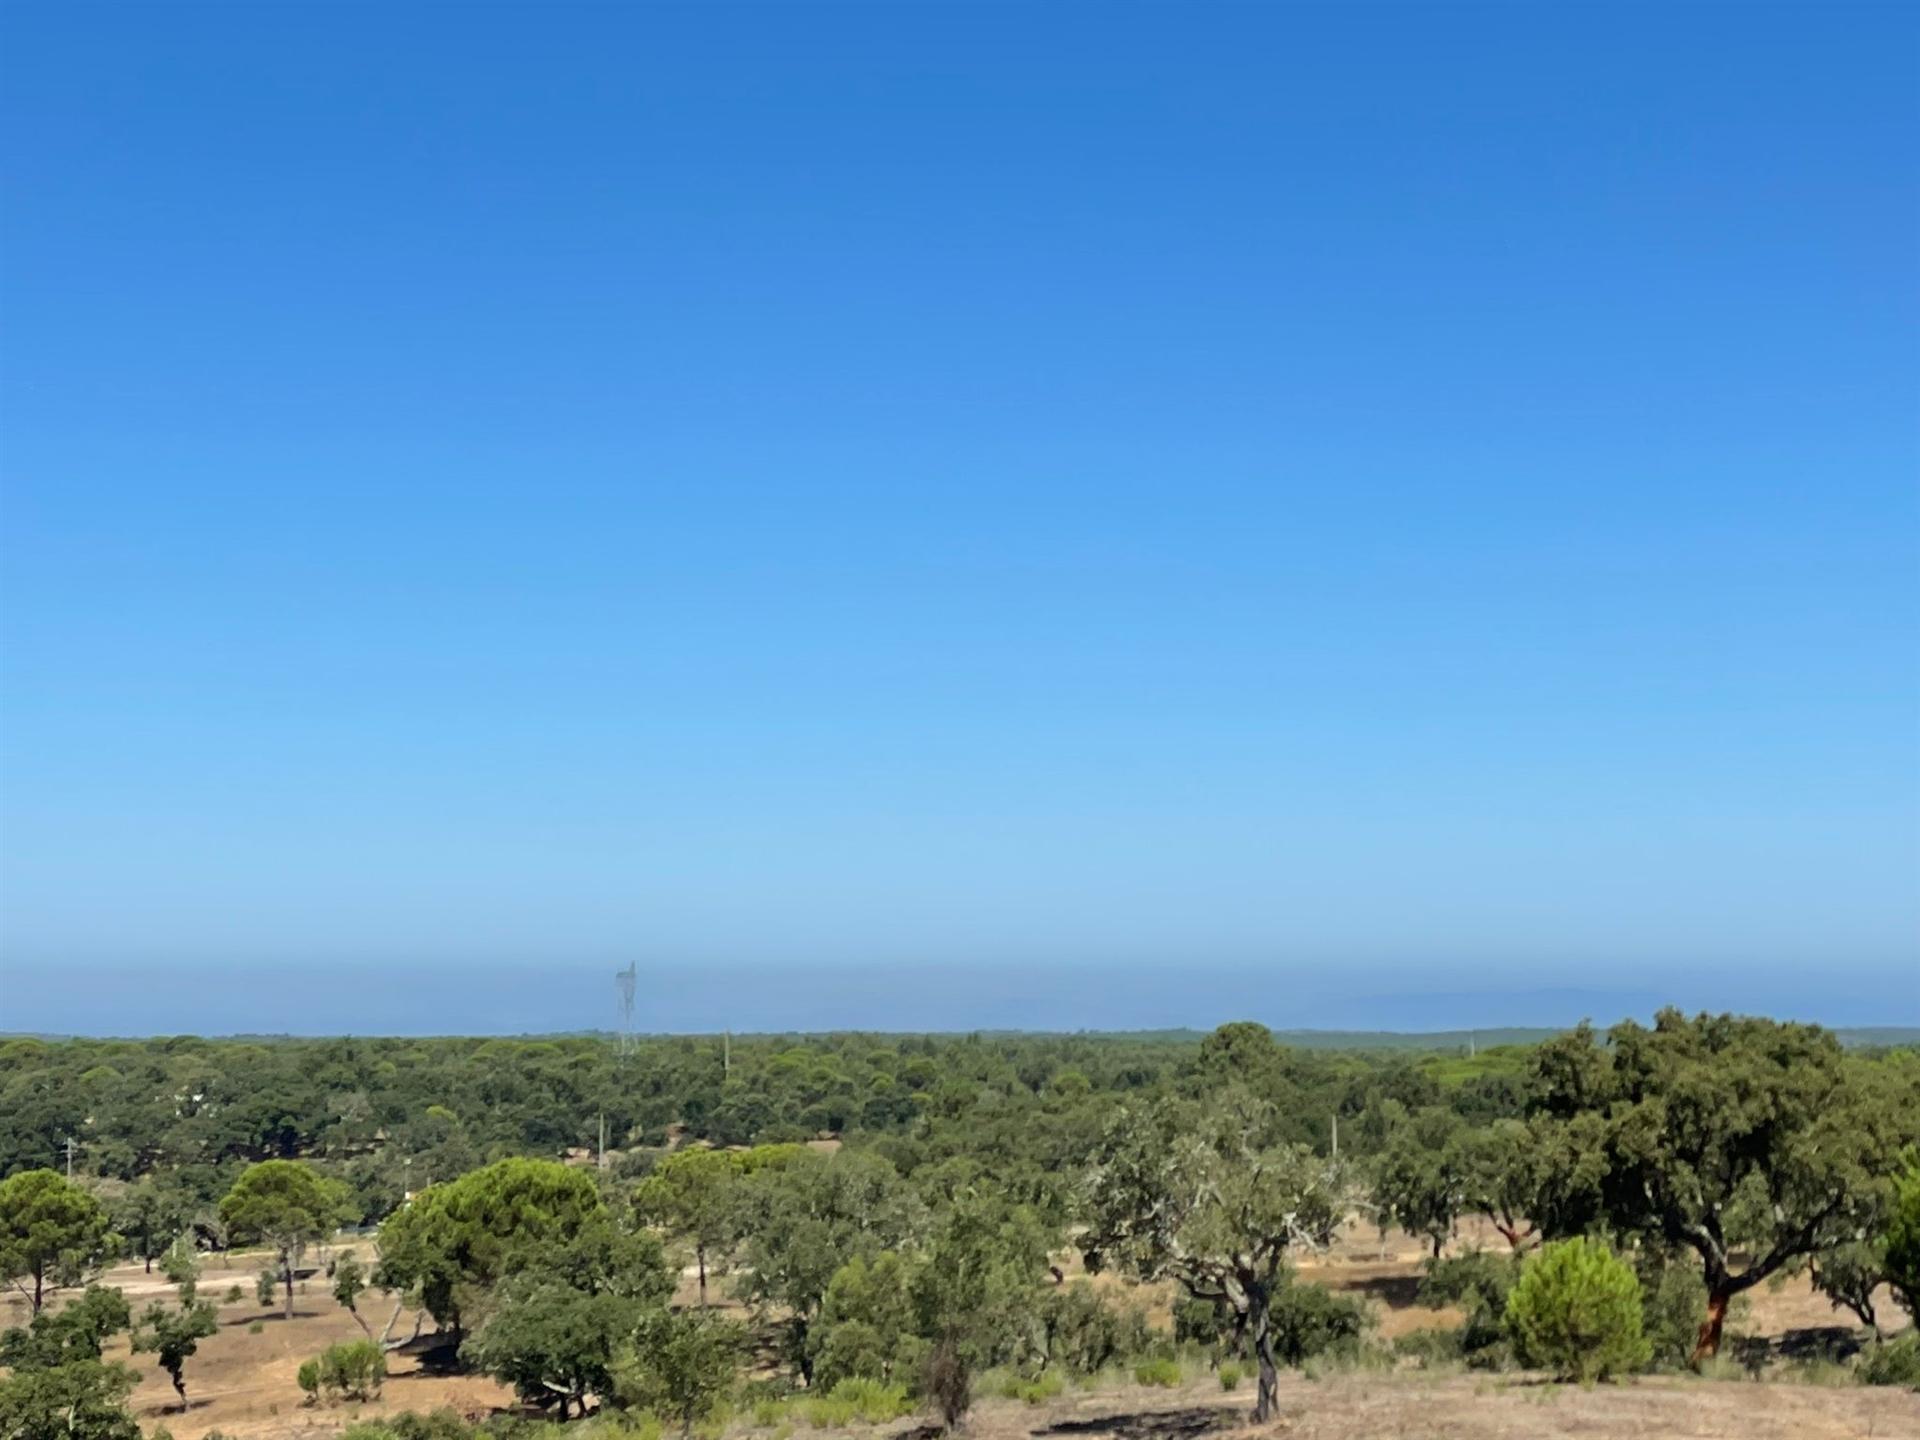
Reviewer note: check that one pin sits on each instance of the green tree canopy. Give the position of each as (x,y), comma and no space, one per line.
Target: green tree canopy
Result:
(52,1233)
(805,1217)
(1744,1140)
(692,1195)
(458,1240)
(552,1343)
(977,1292)
(79,1400)
(173,1333)
(1214,1201)
(286,1204)
(77,1331)
(1900,1244)
(868,1328)
(1420,1180)
(680,1366)
(152,1214)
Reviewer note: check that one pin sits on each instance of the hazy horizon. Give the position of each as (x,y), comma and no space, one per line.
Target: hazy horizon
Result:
(496,1000)
(904,507)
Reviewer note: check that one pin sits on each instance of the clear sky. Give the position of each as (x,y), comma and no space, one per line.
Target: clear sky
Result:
(1246,509)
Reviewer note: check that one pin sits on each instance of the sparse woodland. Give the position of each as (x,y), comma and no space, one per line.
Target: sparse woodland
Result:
(872,1225)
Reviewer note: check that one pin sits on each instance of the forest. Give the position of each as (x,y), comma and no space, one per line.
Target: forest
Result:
(692,1231)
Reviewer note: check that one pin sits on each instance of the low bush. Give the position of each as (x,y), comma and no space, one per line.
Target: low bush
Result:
(1036,1391)
(1673,1306)
(867,1402)
(1893,1362)
(1086,1332)
(1208,1323)
(1160,1372)
(1230,1376)
(1575,1310)
(1308,1321)
(351,1370)
(1477,1283)
(1430,1349)
(435,1425)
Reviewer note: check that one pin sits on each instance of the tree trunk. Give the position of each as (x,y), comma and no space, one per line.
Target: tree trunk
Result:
(39,1288)
(1269,1395)
(1511,1234)
(802,1352)
(1438,1241)
(1708,1344)
(288,1273)
(387,1342)
(700,1259)
(181,1386)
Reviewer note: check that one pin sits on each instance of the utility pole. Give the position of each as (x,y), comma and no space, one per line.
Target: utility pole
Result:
(1336,1134)
(603,1139)
(69,1157)
(726,1053)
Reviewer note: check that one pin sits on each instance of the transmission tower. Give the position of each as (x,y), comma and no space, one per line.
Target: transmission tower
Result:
(625,980)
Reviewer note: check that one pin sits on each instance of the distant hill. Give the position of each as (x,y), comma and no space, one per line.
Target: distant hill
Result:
(1422,1042)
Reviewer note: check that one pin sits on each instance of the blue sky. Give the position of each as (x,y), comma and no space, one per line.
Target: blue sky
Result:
(1354,503)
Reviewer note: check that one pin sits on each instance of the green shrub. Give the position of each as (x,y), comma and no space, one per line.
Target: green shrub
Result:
(1673,1306)
(857,1350)
(681,1366)
(1903,1237)
(436,1425)
(1478,1283)
(1575,1310)
(256,1328)
(866,1324)
(1086,1332)
(353,1369)
(869,1402)
(1160,1372)
(1820,1370)
(1431,1348)
(1306,1321)
(767,1413)
(1208,1323)
(1893,1362)
(1036,1391)
(1230,1376)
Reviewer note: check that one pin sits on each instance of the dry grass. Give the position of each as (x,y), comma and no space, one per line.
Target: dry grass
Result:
(1464,1407)
(242,1380)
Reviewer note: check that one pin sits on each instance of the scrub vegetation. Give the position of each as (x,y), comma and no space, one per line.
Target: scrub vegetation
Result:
(832,1233)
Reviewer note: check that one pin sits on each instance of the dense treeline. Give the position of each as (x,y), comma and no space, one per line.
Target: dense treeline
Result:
(389,1116)
(1640,1183)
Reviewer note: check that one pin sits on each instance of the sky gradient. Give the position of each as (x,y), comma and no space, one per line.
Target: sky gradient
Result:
(1353,503)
